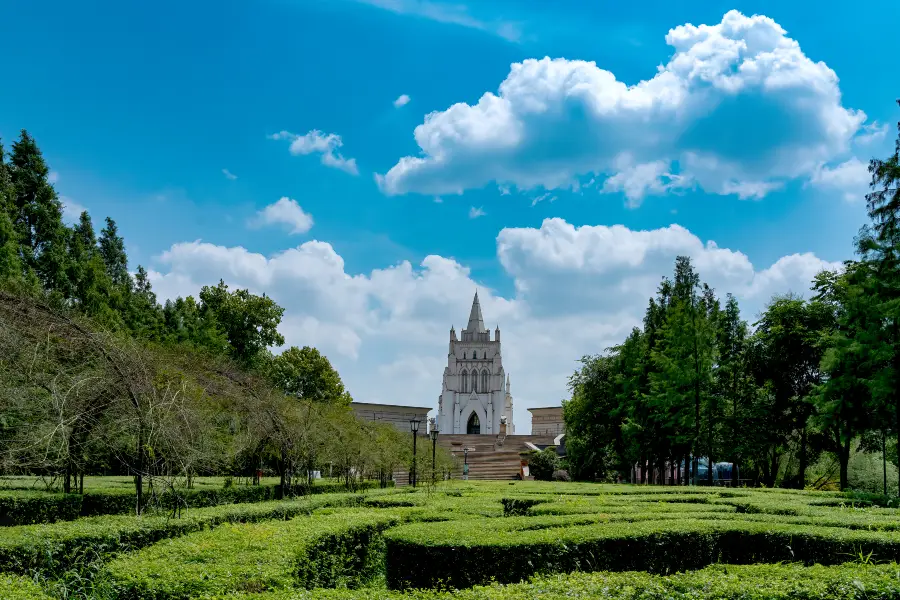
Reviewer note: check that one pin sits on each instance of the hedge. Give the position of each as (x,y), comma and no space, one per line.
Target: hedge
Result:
(340,548)
(719,582)
(20,588)
(27,507)
(56,547)
(462,554)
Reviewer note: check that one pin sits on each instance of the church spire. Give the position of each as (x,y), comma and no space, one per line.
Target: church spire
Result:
(476,321)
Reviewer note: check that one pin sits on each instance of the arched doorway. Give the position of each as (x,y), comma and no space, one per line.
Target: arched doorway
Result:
(474,425)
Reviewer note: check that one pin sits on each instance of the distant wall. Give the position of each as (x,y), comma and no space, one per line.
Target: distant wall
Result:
(396,415)
(547,421)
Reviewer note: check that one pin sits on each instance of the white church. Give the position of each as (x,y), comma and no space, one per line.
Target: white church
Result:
(475,398)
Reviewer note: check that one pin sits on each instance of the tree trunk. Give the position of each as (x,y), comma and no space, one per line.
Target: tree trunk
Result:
(773,473)
(139,473)
(844,459)
(884,458)
(81,483)
(801,475)
(643,469)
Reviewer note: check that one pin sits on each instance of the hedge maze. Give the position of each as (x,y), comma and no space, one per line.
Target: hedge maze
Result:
(473,540)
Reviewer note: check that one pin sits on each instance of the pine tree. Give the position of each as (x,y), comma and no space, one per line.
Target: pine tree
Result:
(10,265)
(879,245)
(38,217)
(91,286)
(112,250)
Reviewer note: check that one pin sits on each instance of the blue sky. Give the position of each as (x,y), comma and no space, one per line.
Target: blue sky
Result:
(140,107)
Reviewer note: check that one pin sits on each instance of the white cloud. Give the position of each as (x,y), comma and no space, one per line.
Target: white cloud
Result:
(850,178)
(872,132)
(71,210)
(402,100)
(578,290)
(324,144)
(229,175)
(454,14)
(286,212)
(737,109)
(474,212)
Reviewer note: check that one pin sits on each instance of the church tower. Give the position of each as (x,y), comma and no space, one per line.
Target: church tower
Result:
(475,395)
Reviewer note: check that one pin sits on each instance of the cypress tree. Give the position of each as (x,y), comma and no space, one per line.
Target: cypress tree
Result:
(37,217)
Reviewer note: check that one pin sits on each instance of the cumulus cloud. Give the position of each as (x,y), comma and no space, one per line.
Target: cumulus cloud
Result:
(850,179)
(577,291)
(286,211)
(326,145)
(403,100)
(474,212)
(229,175)
(737,109)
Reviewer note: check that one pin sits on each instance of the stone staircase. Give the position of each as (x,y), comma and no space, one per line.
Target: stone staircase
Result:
(490,457)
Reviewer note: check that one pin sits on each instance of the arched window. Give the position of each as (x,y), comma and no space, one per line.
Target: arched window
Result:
(484,382)
(464,356)
(464,381)
(474,425)
(474,354)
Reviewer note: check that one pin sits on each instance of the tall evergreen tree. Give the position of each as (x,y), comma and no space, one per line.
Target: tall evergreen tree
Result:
(112,251)
(10,265)
(38,217)
(879,245)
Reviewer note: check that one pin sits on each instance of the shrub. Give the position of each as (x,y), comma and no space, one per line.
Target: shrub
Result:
(56,547)
(24,508)
(561,475)
(20,588)
(324,550)
(542,464)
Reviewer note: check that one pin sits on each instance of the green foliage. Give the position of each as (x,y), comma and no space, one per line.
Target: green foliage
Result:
(541,465)
(250,323)
(306,373)
(316,551)
(21,588)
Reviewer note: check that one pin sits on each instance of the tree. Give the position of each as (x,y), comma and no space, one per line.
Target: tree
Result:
(306,373)
(91,286)
(731,376)
(38,217)
(250,322)
(879,245)
(10,265)
(844,403)
(541,464)
(684,359)
(112,251)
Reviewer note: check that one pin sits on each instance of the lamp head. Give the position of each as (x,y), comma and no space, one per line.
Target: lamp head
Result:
(414,425)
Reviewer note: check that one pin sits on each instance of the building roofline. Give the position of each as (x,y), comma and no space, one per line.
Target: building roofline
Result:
(543,407)
(368,404)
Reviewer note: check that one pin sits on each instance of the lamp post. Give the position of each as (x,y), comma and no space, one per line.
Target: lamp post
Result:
(466,464)
(414,427)
(434,434)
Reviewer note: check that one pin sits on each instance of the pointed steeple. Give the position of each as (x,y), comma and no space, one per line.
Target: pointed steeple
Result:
(507,383)
(476,321)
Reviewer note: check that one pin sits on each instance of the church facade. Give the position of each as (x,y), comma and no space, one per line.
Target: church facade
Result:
(475,397)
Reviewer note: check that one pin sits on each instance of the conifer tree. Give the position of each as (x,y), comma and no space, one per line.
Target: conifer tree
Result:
(112,251)
(10,265)
(37,217)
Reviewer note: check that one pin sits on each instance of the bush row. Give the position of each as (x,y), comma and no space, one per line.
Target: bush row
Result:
(329,549)
(718,582)
(19,588)
(464,553)
(57,547)
(26,508)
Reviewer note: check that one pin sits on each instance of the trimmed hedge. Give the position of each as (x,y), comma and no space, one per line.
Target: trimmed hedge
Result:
(20,588)
(462,554)
(340,548)
(25,508)
(57,547)
(719,582)
(30,507)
